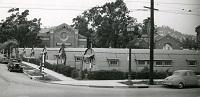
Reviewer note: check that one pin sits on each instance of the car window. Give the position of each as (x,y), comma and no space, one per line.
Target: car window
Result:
(17,65)
(176,73)
(187,73)
(192,74)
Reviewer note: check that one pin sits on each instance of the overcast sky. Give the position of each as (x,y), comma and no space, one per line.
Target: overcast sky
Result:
(182,15)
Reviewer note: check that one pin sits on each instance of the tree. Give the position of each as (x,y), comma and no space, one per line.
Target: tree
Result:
(17,26)
(197,29)
(138,44)
(107,25)
(8,46)
(189,43)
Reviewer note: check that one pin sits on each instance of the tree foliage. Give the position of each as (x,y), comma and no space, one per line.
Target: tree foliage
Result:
(106,25)
(17,26)
(189,43)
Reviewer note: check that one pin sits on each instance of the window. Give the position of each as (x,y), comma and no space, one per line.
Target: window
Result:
(158,63)
(192,73)
(148,62)
(167,63)
(113,62)
(167,47)
(78,58)
(192,62)
(141,62)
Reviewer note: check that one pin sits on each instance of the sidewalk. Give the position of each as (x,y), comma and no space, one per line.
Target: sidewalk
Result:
(90,83)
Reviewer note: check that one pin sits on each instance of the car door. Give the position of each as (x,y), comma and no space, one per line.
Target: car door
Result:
(190,78)
(186,78)
(193,78)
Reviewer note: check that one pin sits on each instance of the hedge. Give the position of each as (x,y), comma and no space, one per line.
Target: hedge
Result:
(118,75)
(60,68)
(101,74)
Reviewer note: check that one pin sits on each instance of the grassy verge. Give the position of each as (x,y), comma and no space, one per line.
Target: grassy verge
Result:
(37,74)
(141,82)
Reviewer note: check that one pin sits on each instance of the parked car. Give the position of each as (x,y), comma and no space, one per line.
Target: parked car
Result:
(3,59)
(15,65)
(181,78)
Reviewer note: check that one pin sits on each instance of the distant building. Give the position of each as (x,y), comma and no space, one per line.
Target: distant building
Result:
(55,36)
(165,42)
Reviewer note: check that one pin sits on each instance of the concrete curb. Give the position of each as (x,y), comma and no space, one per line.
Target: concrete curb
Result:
(98,86)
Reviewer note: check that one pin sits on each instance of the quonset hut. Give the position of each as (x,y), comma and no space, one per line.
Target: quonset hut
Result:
(111,58)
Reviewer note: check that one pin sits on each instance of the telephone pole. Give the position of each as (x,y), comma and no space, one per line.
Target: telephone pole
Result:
(151,75)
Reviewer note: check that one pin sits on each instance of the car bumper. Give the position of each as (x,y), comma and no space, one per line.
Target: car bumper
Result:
(168,83)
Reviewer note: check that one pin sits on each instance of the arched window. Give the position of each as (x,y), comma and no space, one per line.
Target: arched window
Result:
(167,46)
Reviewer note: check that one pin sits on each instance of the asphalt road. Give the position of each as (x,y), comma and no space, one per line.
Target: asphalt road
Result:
(19,85)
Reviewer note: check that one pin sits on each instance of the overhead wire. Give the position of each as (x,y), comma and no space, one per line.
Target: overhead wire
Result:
(174,3)
(41,8)
(167,11)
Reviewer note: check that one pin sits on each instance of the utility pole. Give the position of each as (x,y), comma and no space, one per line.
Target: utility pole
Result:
(129,75)
(151,75)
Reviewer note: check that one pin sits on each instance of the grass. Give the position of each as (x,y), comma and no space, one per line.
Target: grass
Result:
(26,67)
(38,75)
(34,72)
(47,78)
(141,82)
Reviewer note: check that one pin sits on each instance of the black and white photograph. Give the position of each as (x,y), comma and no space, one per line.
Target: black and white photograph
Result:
(99,48)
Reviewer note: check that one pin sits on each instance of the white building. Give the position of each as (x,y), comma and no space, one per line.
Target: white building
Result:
(110,58)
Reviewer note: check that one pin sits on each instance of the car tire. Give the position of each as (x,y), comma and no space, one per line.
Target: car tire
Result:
(21,71)
(180,85)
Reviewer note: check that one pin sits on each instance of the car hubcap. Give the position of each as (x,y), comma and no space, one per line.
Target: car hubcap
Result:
(180,85)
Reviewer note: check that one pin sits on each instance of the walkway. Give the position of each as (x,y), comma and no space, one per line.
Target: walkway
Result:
(69,81)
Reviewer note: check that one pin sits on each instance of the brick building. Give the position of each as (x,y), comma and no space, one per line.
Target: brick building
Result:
(167,43)
(55,36)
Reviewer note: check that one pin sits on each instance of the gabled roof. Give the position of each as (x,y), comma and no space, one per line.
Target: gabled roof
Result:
(54,28)
(63,25)
(44,31)
(168,36)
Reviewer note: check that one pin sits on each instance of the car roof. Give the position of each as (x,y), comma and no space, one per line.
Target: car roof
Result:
(183,71)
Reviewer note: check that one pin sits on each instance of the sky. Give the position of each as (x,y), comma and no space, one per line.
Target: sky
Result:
(181,15)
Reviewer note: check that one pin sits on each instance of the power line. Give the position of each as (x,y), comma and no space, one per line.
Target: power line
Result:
(42,8)
(166,11)
(175,3)
(179,13)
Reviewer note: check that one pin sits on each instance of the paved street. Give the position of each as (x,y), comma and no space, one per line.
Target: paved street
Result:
(19,85)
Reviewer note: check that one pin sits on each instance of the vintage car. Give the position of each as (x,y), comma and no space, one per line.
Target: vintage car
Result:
(15,65)
(181,78)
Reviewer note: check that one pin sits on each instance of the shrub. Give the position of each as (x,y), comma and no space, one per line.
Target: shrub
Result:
(106,75)
(118,75)
(75,73)
(101,74)
(60,68)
